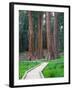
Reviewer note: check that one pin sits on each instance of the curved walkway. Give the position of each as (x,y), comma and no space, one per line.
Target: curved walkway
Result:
(35,73)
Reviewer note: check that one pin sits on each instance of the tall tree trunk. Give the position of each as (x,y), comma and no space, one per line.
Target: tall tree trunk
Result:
(55,34)
(49,36)
(31,34)
(40,36)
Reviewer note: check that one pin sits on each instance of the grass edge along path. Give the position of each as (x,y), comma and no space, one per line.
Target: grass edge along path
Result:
(25,66)
(54,68)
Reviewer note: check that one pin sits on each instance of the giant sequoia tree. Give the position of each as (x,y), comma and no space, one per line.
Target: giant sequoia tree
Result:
(49,36)
(31,34)
(56,34)
(40,35)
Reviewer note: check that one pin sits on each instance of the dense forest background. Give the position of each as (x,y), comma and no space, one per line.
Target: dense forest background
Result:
(41,34)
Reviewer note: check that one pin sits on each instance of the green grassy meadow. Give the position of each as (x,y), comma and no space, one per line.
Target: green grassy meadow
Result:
(54,68)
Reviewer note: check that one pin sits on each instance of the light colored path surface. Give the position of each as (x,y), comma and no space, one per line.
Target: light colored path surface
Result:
(35,73)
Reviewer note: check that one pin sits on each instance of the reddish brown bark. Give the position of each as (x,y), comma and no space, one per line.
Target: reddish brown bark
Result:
(40,36)
(31,34)
(49,36)
(56,34)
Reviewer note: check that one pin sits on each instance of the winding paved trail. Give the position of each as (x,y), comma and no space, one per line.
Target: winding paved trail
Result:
(35,73)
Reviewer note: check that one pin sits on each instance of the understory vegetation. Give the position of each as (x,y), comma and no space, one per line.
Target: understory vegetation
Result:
(54,68)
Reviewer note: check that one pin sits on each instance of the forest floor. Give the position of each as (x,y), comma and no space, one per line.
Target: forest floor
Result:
(35,73)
